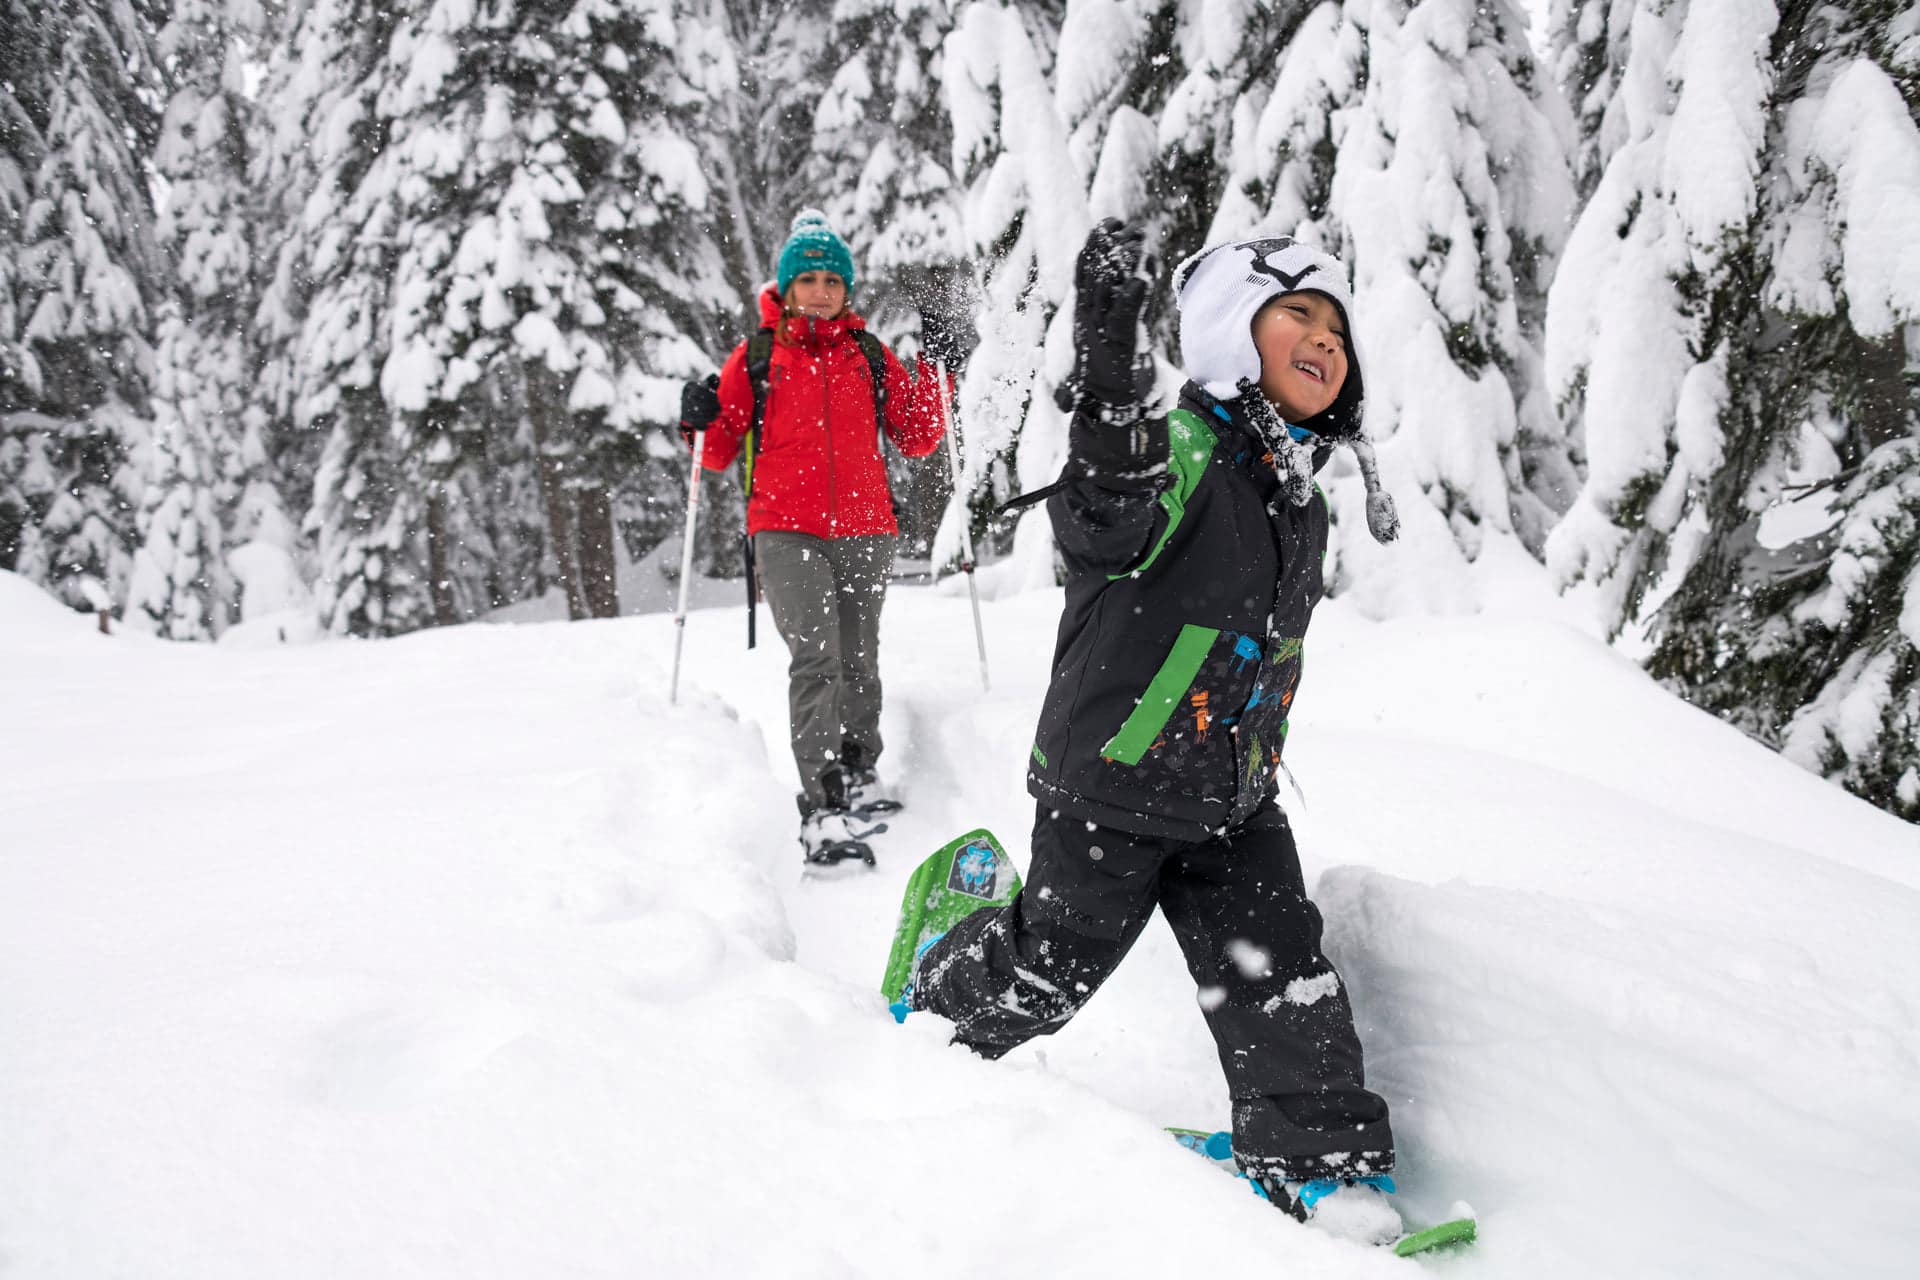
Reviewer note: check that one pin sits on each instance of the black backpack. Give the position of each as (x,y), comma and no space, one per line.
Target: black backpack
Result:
(759,373)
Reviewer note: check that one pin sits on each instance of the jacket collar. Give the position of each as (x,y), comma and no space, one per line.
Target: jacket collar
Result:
(1228,421)
(1239,439)
(814,334)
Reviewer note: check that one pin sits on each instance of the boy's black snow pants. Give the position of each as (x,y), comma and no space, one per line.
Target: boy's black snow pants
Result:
(1238,905)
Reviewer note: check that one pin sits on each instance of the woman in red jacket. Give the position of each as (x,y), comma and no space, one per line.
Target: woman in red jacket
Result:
(820,513)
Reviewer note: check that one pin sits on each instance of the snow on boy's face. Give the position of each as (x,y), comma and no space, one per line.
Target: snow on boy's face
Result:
(1302,341)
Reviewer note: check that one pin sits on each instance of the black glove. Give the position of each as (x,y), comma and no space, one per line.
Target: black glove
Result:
(1110,294)
(944,337)
(699,406)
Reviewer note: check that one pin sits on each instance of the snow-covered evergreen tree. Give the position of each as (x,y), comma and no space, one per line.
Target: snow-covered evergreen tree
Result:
(1587,40)
(24,71)
(1452,189)
(180,587)
(500,269)
(1679,181)
(1421,144)
(882,120)
(1025,214)
(1736,325)
(1637,348)
(764,69)
(79,277)
(308,147)
(367,523)
(1164,97)
(316,137)
(546,191)
(1810,636)
(754,73)
(209,459)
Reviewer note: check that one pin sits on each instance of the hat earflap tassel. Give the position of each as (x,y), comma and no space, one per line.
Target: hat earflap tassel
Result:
(1383,520)
(1293,463)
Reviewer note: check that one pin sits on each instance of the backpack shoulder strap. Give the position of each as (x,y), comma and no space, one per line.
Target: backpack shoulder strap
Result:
(876,353)
(760,375)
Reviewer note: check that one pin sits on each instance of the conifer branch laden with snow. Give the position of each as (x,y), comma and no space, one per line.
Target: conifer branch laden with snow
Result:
(80,281)
(1733,335)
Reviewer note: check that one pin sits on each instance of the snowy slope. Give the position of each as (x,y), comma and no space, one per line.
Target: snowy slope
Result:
(468,955)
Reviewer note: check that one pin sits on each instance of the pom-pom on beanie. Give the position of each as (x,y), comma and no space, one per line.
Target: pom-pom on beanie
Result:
(1221,288)
(813,247)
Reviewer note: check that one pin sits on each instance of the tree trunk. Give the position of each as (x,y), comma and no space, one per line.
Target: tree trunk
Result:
(598,562)
(439,574)
(552,447)
(1884,395)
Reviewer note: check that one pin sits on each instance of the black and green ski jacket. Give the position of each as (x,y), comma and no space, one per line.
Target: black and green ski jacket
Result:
(1189,588)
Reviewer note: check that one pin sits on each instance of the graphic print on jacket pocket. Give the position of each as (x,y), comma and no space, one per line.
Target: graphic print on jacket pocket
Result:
(1165,694)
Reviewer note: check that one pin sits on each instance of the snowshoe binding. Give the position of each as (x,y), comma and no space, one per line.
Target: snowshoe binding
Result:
(865,797)
(863,791)
(1354,1209)
(829,837)
(830,831)
(902,1005)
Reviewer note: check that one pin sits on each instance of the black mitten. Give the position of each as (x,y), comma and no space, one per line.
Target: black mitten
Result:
(1110,295)
(699,406)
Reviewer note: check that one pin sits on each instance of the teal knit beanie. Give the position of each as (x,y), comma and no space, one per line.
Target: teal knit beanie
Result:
(813,247)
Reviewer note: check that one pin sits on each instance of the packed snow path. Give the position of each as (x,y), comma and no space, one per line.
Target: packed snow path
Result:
(467,954)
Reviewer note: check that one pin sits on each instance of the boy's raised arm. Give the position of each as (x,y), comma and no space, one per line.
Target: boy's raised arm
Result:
(1106,513)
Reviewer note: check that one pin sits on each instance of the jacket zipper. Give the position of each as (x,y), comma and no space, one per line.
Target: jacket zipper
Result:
(826,421)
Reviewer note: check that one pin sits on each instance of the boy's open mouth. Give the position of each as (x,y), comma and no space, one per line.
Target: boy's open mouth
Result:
(1311,369)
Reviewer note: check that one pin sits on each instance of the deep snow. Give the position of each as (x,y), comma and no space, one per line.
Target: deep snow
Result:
(469,955)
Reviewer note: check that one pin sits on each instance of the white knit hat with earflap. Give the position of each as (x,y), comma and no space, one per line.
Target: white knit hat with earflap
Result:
(1221,288)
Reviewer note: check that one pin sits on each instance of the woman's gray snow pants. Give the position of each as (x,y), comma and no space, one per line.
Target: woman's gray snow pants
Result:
(825,594)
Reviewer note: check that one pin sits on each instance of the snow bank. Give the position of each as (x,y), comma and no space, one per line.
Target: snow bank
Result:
(26,610)
(468,954)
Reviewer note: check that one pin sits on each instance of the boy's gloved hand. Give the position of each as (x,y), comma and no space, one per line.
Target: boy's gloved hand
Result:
(699,406)
(1110,295)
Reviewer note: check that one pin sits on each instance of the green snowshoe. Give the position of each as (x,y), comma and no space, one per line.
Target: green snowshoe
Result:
(967,875)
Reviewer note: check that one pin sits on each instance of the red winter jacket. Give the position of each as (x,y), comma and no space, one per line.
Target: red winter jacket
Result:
(819,469)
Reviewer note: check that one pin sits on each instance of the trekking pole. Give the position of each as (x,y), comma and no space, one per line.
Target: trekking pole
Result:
(753,583)
(966,524)
(686,564)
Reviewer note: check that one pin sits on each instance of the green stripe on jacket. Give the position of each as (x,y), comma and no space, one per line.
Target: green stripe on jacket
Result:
(1190,444)
(1157,704)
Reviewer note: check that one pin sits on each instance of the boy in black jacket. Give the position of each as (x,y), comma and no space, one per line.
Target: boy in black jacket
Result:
(1193,543)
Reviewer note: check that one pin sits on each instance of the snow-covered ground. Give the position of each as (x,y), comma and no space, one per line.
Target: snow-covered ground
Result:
(469,955)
